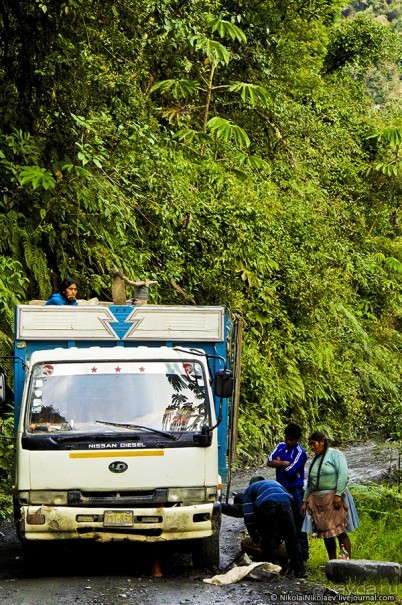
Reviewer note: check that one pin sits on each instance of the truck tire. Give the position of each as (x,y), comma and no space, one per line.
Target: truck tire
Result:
(33,556)
(362,569)
(205,553)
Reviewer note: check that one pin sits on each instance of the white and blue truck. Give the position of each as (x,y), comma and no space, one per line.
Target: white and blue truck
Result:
(124,422)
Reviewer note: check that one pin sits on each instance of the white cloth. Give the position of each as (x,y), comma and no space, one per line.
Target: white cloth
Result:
(238,573)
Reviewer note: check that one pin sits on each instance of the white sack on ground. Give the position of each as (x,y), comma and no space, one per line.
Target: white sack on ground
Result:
(238,573)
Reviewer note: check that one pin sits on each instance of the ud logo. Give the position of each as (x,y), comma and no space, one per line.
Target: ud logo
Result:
(118,467)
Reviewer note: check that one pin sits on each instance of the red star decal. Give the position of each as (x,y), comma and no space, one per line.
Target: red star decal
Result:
(142,369)
(93,370)
(117,369)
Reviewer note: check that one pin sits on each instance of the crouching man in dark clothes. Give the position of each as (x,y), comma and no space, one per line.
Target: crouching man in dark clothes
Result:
(247,545)
(268,512)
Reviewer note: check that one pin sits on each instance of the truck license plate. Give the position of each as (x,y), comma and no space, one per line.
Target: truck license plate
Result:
(118,518)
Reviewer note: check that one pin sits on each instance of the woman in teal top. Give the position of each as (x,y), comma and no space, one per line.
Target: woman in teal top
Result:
(328,502)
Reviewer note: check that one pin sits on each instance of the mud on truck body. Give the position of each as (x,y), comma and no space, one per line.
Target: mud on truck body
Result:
(123,424)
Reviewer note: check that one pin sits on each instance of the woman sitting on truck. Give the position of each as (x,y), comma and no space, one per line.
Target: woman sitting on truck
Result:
(66,294)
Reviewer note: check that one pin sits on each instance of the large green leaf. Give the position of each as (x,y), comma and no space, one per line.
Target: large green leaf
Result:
(180,89)
(226,29)
(37,177)
(252,93)
(223,129)
(214,51)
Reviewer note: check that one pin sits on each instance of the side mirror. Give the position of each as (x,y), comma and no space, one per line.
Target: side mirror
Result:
(2,388)
(223,383)
(204,438)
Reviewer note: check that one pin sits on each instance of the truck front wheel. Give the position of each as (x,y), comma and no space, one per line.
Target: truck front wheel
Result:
(205,552)
(34,555)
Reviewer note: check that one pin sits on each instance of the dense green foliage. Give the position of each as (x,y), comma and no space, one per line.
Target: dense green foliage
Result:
(383,78)
(229,148)
(380,514)
(6,463)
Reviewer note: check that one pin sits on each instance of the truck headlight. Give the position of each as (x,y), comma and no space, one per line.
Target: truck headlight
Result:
(192,495)
(48,498)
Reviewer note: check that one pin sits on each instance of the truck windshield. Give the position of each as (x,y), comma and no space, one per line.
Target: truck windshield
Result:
(166,396)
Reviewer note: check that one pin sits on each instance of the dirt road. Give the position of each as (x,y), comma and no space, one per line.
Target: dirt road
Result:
(116,574)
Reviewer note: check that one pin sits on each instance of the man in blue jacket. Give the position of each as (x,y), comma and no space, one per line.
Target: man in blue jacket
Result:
(268,513)
(289,459)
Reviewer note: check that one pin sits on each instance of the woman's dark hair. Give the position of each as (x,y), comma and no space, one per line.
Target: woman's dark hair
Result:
(66,283)
(318,436)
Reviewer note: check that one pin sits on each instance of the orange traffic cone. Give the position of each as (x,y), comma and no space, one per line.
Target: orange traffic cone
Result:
(156,569)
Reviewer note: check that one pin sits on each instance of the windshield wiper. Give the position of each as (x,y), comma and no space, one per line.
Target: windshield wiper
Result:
(139,426)
(80,437)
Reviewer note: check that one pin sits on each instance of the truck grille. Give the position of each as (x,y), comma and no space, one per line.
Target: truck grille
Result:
(157,497)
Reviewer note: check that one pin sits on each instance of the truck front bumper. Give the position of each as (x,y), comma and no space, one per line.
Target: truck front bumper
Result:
(135,524)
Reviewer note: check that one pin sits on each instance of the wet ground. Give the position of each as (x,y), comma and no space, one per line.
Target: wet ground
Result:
(120,574)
